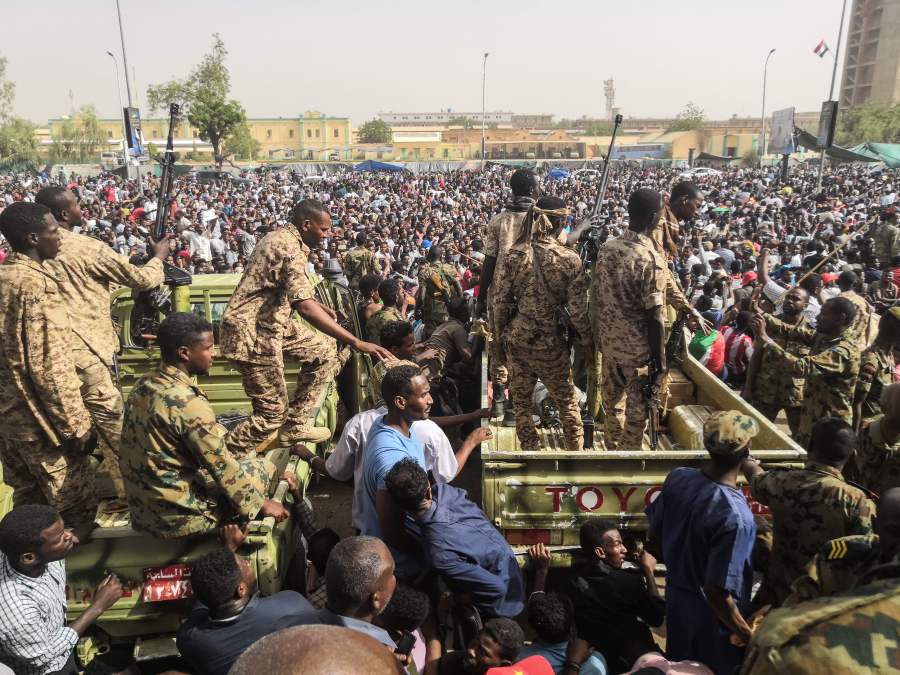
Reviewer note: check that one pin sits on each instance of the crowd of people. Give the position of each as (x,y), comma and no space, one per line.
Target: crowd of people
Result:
(789,295)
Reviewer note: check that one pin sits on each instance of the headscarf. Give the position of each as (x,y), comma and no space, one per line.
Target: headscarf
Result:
(537,223)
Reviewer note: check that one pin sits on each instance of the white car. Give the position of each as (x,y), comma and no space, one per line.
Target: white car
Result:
(587,174)
(700,172)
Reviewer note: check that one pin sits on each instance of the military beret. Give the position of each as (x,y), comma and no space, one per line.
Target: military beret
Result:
(728,432)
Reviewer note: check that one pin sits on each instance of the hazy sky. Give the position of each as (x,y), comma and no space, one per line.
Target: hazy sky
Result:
(349,57)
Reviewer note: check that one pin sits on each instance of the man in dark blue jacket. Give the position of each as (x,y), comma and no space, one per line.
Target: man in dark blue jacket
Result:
(459,541)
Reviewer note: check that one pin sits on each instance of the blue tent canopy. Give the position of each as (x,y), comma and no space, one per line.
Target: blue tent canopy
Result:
(558,174)
(372,165)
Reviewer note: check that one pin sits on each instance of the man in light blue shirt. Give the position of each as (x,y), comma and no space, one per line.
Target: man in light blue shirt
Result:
(406,393)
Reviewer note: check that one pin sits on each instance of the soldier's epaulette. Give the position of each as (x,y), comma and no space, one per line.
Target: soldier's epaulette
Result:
(854,547)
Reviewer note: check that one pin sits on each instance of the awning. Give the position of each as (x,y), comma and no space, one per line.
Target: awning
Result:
(372,165)
(807,140)
(709,157)
(889,153)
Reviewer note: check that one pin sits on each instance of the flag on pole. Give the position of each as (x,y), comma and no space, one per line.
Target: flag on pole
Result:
(821,49)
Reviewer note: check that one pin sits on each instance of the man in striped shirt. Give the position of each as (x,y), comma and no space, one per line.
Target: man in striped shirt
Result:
(34,637)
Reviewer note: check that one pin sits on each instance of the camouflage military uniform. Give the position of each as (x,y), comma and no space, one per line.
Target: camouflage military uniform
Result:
(859,329)
(257,329)
(775,388)
(886,243)
(89,271)
(498,239)
(878,462)
(40,406)
(876,371)
(854,632)
(443,349)
(836,568)
(830,370)
(674,295)
(180,477)
(809,507)
(629,277)
(358,263)
(434,309)
(379,320)
(526,324)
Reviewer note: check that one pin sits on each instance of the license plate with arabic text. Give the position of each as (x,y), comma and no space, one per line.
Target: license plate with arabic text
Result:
(172,582)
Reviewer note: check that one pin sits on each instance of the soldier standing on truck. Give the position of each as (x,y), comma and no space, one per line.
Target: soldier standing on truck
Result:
(180,477)
(497,241)
(830,369)
(628,292)
(539,278)
(438,285)
(359,261)
(89,271)
(257,329)
(45,428)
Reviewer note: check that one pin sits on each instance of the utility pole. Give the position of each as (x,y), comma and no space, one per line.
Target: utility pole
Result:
(837,53)
(128,87)
(762,136)
(483,83)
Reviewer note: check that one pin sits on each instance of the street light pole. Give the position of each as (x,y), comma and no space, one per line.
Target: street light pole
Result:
(483,83)
(762,135)
(122,108)
(127,87)
(837,53)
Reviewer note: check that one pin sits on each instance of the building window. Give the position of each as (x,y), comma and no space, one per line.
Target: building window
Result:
(291,133)
(317,133)
(268,133)
(109,134)
(309,133)
(155,134)
(337,133)
(194,133)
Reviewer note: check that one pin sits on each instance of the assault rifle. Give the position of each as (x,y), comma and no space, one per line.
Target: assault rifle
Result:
(673,350)
(148,305)
(595,235)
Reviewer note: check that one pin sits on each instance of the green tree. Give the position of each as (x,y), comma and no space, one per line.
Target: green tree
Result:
(598,128)
(79,139)
(750,159)
(7,92)
(17,140)
(689,119)
(203,97)
(464,122)
(375,131)
(873,122)
(241,144)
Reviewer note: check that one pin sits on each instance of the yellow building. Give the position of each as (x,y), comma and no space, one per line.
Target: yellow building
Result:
(312,136)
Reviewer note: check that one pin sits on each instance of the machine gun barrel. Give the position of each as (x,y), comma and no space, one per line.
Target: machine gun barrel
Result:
(167,176)
(604,177)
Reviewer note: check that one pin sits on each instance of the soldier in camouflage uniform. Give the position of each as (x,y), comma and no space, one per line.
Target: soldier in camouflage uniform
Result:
(841,563)
(498,239)
(437,286)
(89,270)
(848,282)
(539,277)
(878,455)
(855,632)
(45,428)
(770,387)
(809,506)
(876,369)
(257,329)
(830,369)
(390,293)
(180,477)
(359,262)
(886,239)
(628,293)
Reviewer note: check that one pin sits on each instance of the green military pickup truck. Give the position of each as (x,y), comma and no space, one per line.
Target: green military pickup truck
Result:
(155,573)
(543,497)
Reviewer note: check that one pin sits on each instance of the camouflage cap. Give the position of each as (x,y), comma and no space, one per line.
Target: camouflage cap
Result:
(728,432)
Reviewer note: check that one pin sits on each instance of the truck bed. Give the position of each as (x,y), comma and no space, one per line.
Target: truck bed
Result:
(544,496)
